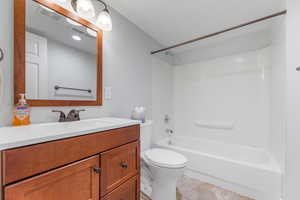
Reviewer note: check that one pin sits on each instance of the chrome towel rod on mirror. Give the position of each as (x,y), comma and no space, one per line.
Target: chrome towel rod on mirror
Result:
(1,54)
(67,88)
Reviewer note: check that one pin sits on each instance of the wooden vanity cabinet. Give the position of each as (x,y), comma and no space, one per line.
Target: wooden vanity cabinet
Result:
(104,165)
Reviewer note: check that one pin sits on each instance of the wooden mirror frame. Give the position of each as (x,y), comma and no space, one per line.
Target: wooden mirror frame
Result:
(19,55)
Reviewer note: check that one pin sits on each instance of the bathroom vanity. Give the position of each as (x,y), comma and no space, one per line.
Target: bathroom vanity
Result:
(86,160)
(82,160)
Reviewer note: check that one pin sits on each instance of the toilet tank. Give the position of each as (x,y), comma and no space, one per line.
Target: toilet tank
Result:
(146,135)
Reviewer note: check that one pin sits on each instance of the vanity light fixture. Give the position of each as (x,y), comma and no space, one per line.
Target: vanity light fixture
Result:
(76,38)
(86,9)
(104,21)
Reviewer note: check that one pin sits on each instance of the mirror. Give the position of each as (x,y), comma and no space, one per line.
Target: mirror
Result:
(62,61)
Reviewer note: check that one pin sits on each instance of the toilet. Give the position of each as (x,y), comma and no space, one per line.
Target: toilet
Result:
(162,165)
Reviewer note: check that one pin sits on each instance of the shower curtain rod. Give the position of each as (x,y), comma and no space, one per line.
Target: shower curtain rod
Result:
(221,32)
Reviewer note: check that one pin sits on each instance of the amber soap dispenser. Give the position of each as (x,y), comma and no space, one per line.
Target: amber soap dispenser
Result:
(21,112)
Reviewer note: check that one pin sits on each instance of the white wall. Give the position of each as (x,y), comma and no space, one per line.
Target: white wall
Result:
(79,71)
(6,68)
(226,90)
(293,101)
(162,98)
(127,69)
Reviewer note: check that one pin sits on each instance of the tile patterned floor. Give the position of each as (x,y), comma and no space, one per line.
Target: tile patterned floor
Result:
(192,189)
(144,197)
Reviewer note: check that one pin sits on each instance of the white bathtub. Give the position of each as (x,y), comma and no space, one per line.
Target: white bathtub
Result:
(247,170)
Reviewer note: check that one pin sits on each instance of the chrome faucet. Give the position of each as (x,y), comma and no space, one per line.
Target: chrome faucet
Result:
(72,116)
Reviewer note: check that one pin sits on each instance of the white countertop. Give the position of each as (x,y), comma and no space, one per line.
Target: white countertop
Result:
(12,137)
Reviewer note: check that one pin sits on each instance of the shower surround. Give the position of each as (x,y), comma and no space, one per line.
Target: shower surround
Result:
(227,120)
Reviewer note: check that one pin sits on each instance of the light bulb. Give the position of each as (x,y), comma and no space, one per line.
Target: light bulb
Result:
(91,32)
(85,8)
(104,21)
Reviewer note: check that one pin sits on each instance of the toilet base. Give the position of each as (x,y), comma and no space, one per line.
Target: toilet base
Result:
(163,173)
(164,182)
(164,190)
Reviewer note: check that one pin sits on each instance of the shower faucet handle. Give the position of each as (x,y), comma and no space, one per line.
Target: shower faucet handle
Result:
(169,131)
(170,134)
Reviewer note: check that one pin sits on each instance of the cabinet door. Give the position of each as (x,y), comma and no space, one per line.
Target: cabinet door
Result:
(78,181)
(118,166)
(128,191)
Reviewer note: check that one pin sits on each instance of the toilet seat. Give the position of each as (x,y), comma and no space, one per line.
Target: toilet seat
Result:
(165,158)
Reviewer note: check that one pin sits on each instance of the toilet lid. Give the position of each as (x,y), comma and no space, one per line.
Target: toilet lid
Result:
(166,158)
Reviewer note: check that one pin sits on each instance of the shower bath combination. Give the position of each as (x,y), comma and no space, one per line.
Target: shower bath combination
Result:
(211,91)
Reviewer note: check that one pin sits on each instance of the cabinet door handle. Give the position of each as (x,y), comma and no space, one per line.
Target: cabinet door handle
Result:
(124,165)
(97,170)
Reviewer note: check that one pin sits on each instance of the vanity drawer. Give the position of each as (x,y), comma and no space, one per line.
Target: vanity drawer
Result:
(27,161)
(128,191)
(119,165)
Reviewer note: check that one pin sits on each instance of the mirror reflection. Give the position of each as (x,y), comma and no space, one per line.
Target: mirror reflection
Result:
(61,56)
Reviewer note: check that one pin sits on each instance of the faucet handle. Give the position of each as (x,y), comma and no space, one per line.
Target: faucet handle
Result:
(74,115)
(169,131)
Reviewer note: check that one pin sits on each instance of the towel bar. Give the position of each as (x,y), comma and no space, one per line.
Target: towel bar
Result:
(67,88)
